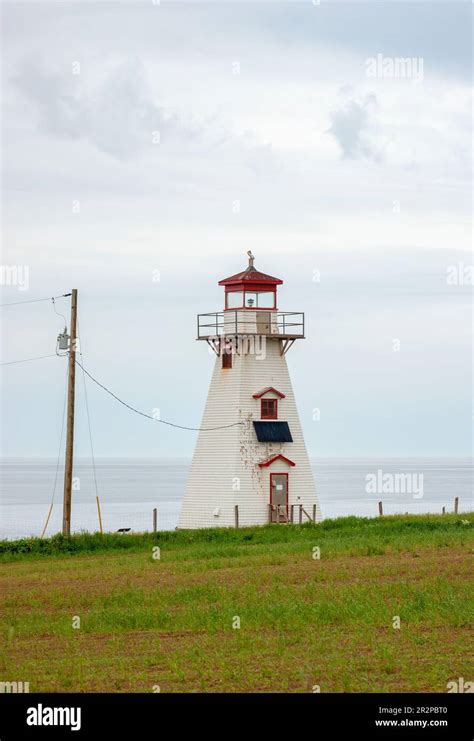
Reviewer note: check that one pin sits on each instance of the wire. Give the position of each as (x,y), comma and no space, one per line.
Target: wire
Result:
(87,410)
(58,313)
(36,300)
(58,458)
(148,416)
(27,360)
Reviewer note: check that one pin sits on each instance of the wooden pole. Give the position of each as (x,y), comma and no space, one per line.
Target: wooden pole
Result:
(155,520)
(380,509)
(100,515)
(292,513)
(301,514)
(70,418)
(456,505)
(444,510)
(236,515)
(314,513)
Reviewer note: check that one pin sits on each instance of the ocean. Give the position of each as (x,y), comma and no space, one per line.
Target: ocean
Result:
(129,490)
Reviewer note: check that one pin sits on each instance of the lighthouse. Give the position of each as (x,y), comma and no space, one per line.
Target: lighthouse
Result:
(250,464)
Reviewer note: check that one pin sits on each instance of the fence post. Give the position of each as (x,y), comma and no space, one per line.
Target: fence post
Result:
(380,509)
(155,520)
(292,512)
(269,514)
(444,510)
(456,505)
(314,513)
(236,515)
(301,514)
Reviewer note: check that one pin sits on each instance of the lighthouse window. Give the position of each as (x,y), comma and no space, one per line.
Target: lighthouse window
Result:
(260,300)
(250,299)
(235,299)
(266,300)
(226,359)
(269,409)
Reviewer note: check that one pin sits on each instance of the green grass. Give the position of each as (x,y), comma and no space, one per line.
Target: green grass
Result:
(369,533)
(303,622)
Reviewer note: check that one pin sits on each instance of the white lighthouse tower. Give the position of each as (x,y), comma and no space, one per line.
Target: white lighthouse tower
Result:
(250,463)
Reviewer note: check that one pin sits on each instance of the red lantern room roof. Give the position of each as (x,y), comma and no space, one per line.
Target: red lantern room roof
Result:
(251,276)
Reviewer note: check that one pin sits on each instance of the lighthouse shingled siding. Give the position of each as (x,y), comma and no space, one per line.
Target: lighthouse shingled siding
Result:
(225,470)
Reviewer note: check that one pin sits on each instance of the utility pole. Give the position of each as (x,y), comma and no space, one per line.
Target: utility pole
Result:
(70,417)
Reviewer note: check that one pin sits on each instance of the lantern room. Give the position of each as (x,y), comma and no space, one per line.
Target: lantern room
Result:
(250,310)
(250,289)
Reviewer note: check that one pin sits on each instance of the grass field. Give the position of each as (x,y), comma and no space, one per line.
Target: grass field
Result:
(170,622)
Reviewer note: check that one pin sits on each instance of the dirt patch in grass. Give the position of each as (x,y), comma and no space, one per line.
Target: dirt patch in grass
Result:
(187,661)
(140,573)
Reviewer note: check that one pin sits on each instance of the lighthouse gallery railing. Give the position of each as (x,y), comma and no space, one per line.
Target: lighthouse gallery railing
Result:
(288,324)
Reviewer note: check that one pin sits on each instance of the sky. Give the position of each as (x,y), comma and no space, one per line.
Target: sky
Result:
(146,147)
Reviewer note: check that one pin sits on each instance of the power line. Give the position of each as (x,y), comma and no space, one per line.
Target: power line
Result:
(124,403)
(58,312)
(58,459)
(27,360)
(148,416)
(37,300)
(87,410)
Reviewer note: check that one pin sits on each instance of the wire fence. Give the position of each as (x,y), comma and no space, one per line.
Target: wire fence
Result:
(28,520)
(85,518)
(247,514)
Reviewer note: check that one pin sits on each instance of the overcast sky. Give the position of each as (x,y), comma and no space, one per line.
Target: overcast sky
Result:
(144,140)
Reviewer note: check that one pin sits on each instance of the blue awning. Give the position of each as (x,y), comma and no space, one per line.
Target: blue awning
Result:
(273,432)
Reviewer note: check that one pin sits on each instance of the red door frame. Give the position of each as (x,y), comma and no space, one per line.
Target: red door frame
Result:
(275,473)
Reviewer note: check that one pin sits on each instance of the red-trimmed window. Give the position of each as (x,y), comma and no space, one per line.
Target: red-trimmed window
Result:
(250,299)
(226,359)
(269,408)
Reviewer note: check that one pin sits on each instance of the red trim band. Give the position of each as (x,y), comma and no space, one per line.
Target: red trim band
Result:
(267,391)
(278,457)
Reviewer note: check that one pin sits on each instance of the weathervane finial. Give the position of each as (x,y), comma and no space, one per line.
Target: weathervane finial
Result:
(251,258)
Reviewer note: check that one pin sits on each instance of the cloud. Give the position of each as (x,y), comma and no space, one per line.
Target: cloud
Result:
(118,117)
(260,137)
(354,130)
